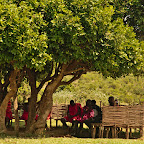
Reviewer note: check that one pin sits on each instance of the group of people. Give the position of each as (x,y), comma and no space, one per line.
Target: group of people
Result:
(77,114)
(90,113)
(23,117)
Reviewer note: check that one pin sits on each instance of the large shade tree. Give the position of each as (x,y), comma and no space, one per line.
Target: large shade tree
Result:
(46,40)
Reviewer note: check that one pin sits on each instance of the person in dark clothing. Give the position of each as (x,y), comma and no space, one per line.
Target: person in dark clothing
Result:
(97,117)
(111,101)
(97,112)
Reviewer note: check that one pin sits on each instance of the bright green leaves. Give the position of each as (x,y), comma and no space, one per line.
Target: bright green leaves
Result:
(76,27)
(36,32)
(21,38)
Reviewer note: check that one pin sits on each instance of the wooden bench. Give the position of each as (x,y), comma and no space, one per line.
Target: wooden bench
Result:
(58,112)
(120,117)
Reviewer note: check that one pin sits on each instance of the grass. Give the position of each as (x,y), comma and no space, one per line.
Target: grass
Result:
(51,137)
(9,140)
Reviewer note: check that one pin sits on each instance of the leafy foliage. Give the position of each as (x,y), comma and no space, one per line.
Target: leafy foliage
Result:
(20,40)
(33,33)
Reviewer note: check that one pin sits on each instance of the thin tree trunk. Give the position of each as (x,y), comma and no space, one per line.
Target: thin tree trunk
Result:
(33,99)
(45,109)
(16,128)
(3,106)
(32,109)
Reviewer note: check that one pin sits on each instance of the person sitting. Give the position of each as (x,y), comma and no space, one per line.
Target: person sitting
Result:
(8,116)
(73,114)
(88,114)
(97,112)
(111,101)
(25,112)
(116,102)
(97,116)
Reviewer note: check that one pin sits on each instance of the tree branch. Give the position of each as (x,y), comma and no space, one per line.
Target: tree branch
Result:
(73,71)
(75,77)
(46,79)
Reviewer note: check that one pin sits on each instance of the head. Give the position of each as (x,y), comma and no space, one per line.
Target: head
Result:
(93,102)
(88,103)
(111,101)
(72,102)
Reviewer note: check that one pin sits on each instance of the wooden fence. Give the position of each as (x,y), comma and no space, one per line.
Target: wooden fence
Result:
(121,117)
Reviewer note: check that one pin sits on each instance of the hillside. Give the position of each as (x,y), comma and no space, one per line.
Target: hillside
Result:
(128,89)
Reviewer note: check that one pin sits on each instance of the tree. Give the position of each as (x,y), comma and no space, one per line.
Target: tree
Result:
(50,39)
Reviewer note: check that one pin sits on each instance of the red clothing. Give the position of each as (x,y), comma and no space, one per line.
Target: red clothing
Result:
(88,113)
(24,115)
(8,111)
(48,116)
(73,110)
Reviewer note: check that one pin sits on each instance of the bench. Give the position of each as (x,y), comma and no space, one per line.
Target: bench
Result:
(120,117)
(58,112)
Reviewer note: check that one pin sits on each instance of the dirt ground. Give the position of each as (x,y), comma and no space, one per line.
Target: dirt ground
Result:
(54,132)
(66,132)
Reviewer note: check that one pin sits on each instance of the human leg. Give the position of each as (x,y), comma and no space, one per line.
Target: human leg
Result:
(63,120)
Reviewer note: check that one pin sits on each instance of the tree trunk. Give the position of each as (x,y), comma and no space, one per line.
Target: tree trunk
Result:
(1,96)
(16,128)
(32,108)
(46,103)
(33,99)
(45,109)
(11,93)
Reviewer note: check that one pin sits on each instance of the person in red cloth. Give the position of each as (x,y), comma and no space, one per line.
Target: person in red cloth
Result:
(8,114)
(73,113)
(87,111)
(88,114)
(25,113)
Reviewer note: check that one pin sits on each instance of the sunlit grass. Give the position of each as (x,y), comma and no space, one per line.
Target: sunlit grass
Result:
(46,139)
(9,140)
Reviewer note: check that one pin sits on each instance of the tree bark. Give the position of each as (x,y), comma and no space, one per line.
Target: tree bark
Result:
(46,103)
(33,99)
(3,106)
(45,108)
(16,128)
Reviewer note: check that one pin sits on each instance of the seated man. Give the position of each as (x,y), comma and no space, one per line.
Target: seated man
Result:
(88,114)
(25,112)
(73,113)
(97,112)
(111,101)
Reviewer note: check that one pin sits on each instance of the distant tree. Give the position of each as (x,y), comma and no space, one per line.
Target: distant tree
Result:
(50,39)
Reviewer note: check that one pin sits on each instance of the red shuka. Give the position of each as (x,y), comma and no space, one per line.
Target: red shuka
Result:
(8,111)
(73,110)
